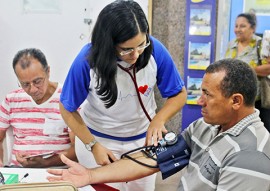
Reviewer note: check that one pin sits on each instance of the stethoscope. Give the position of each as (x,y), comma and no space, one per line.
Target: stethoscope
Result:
(133,78)
(170,138)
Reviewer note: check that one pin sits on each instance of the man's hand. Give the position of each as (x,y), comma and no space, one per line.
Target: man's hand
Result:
(76,173)
(29,162)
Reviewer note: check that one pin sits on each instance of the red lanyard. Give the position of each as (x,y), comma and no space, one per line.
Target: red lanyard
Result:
(136,86)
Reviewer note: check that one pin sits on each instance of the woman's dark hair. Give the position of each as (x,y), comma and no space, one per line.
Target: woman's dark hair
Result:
(116,23)
(251,18)
(23,57)
(239,78)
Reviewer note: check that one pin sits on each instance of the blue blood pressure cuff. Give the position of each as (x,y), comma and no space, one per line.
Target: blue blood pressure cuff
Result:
(173,158)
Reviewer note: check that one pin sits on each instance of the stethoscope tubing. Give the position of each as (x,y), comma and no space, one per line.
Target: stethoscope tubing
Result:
(134,80)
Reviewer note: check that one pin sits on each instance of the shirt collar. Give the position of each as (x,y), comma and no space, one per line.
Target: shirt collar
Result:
(252,43)
(243,124)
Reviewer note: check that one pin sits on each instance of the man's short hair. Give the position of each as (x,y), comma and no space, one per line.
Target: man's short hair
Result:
(239,78)
(23,57)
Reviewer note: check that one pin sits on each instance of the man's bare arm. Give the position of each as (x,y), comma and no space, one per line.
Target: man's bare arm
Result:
(123,170)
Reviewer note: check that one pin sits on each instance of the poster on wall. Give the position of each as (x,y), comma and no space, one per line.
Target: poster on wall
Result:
(259,7)
(200,20)
(199,55)
(193,90)
(200,52)
(197,1)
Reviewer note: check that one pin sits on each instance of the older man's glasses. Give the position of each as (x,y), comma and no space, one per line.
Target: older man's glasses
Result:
(139,48)
(38,83)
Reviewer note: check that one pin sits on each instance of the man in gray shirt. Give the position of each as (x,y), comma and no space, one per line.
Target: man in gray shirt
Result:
(227,149)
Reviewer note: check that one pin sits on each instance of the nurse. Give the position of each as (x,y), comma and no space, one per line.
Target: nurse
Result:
(112,79)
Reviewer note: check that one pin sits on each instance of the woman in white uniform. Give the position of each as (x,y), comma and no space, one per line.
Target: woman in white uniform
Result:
(114,77)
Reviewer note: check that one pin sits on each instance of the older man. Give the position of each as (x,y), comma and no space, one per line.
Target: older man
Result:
(32,111)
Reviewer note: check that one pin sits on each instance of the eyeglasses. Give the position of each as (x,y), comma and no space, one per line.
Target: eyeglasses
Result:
(139,48)
(37,83)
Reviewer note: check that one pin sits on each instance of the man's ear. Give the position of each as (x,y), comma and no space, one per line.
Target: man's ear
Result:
(48,70)
(237,100)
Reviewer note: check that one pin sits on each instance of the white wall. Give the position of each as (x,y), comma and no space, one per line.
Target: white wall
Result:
(58,35)
(223,28)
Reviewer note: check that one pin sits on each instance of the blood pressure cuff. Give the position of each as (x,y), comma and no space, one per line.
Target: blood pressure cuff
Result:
(173,158)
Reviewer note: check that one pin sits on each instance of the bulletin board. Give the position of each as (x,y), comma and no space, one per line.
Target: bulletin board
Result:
(240,6)
(260,7)
(199,52)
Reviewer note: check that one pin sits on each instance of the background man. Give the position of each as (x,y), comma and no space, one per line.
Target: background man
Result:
(33,114)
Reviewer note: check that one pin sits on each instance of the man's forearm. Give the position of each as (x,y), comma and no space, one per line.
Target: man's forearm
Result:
(70,153)
(123,170)
(55,160)
(1,157)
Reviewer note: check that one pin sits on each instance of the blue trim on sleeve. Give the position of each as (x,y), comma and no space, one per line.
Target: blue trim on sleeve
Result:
(76,85)
(169,81)
(171,159)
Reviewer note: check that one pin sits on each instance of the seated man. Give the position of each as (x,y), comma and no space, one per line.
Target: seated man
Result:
(33,114)
(229,145)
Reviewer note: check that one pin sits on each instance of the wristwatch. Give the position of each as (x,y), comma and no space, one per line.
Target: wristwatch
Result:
(89,146)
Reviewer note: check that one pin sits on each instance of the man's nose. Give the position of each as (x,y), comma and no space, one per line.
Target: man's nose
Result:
(32,87)
(200,101)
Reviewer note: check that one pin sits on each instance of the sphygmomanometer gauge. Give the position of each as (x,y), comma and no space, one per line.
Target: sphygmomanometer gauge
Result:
(170,138)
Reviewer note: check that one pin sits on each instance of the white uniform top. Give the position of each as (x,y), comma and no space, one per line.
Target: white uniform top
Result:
(126,117)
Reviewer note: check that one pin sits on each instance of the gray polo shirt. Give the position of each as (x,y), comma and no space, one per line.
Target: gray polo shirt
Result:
(238,159)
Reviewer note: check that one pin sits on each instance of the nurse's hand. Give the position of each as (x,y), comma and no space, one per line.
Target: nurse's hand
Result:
(103,156)
(154,132)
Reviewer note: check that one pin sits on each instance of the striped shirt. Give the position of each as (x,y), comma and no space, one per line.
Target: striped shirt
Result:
(36,128)
(237,159)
